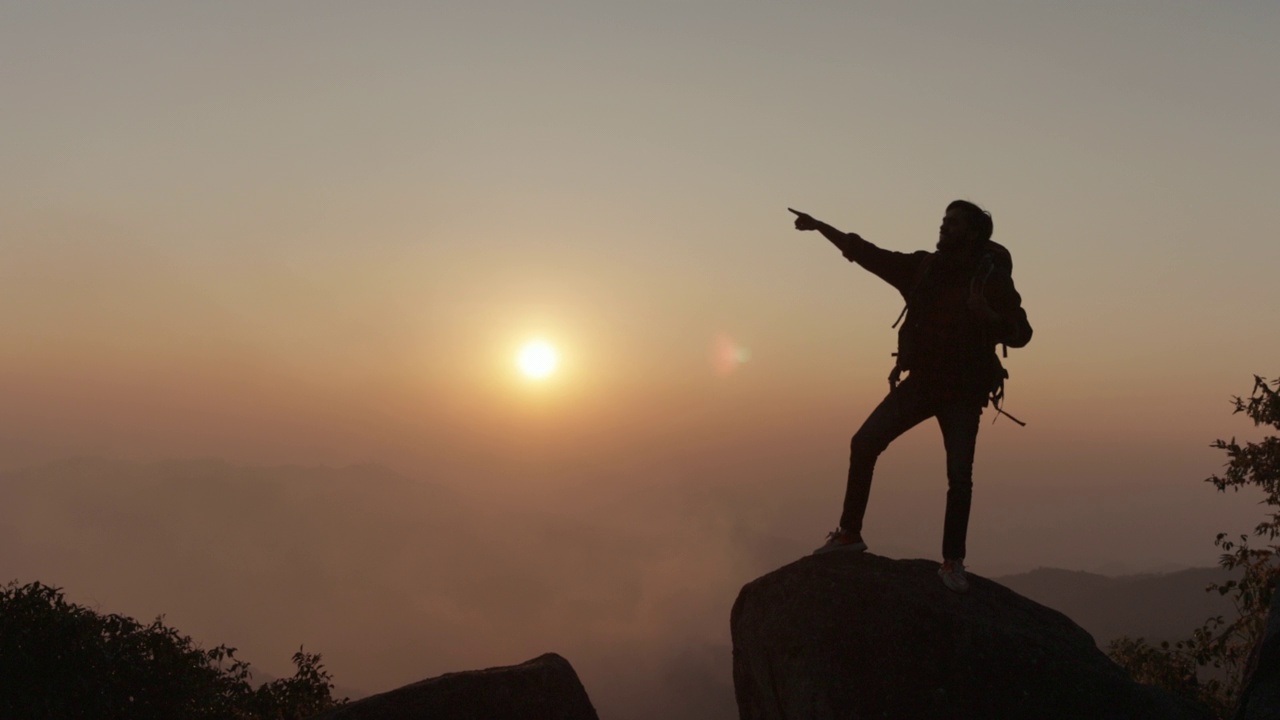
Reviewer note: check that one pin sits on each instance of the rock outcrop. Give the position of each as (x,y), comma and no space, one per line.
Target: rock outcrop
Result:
(1260,698)
(861,636)
(543,688)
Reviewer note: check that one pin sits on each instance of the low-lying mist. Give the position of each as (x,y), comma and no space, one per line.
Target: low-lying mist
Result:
(395,579)
(629,574)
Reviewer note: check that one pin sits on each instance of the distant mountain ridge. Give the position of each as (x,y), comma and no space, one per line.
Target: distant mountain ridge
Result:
(1165,606)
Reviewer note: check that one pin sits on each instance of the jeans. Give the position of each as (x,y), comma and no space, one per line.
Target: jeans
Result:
(907,405)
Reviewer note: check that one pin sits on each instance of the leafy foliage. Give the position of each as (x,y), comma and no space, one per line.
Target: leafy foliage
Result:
(1157,665)
(61,660)
(1221,648)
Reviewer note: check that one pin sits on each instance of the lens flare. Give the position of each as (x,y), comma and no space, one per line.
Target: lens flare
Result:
(727,355)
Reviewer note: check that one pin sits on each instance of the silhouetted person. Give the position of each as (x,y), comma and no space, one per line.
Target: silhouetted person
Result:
(960,304)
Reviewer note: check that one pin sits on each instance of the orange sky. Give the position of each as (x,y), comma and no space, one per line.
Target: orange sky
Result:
(272,235)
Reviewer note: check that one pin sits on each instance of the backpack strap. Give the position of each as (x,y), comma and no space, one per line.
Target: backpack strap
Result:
(901,315)
(921,273)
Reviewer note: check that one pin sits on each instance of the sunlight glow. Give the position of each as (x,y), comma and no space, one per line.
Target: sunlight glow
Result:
(537,359)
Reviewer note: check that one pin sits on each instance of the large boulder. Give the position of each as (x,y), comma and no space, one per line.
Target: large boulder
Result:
(856,635)
(541,689)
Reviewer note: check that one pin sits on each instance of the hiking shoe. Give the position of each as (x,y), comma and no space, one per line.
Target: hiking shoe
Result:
(953,576)
(841,540)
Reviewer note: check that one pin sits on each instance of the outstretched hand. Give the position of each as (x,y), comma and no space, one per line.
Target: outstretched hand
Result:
(804,221)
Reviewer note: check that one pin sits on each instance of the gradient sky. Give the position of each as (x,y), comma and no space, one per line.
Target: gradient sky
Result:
(318,232)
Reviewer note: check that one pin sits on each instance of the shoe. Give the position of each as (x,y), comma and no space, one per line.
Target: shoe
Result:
(953,576)
(841,540)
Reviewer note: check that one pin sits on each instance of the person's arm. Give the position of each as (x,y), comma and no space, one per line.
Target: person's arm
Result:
(897,269)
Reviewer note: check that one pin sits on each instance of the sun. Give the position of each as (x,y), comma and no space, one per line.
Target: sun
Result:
(537,360)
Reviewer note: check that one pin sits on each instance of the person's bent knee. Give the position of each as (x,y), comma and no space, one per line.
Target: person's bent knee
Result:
(866,445)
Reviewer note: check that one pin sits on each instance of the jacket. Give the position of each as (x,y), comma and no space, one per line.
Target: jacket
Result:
(941,339)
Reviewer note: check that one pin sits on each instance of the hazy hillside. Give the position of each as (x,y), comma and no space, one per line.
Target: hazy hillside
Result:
(1157,607)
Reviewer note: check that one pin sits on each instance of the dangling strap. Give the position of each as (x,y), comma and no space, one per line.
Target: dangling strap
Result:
(1000,411)
(997,400)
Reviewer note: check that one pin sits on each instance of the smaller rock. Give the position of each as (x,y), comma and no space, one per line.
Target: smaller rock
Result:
(543,688)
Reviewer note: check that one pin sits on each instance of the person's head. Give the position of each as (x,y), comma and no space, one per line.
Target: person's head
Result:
(964,226)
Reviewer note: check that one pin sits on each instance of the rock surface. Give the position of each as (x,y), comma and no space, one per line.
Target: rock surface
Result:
(543,688)
(1260,698)
(855,635)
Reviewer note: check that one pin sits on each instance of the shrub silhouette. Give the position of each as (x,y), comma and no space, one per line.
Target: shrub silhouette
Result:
(61,660)
(1223,645)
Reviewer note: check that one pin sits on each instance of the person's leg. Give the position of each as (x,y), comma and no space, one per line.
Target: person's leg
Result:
(902,409)
(959,424)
